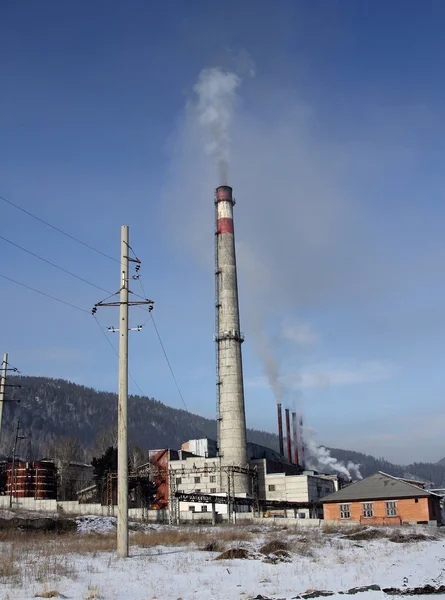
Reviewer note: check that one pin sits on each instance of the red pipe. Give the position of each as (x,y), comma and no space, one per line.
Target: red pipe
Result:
(288,438)
(280,428)
(302,441)
(294,427)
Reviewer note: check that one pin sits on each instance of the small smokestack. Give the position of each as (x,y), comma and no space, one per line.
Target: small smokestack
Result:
(288,438)
(294,431)
(302,442)
(280,428)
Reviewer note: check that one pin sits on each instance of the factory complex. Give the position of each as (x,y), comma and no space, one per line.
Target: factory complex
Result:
(228,478)
(230,475)
(194,480)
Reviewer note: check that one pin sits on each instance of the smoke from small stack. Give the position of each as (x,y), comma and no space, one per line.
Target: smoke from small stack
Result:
(270,363)
(320,459)
(216,90)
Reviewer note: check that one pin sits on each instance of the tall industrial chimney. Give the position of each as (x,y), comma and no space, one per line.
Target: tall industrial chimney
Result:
(280,428)
(228,338)
(288,438)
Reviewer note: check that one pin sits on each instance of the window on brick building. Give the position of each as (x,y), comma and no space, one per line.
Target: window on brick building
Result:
(213,490)
(271,488)
(197,479)
(391,509)
(212,478)
(368,509)
(178,480)
(204,508)
(191,508)
(345,511)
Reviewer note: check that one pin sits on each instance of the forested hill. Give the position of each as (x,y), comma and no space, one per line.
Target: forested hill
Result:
(52,409)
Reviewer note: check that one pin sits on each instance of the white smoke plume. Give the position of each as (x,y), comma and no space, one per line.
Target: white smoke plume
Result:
(216,91)
(319,458)
(271,366)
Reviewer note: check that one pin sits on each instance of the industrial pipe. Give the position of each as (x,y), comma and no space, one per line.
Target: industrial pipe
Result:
(302,442)
(288,438)
(280,428)
(294,428)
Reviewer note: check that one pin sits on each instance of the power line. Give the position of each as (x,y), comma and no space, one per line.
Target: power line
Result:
(163,349)
(72,237)
(54,265)
(168,362)
(117,354)
(28,287)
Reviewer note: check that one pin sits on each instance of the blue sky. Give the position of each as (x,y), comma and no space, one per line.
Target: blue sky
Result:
(337,166)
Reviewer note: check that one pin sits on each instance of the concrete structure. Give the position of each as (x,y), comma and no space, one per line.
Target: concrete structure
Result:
(207,448)
(276,483)
(383,499)
(228,337)
(53,507)
(201,447)
(277,480)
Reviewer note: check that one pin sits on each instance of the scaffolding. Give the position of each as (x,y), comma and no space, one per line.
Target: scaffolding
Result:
(232,500)
(174,497)
(111,477)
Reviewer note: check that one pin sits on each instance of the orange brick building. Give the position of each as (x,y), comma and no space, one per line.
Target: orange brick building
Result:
(382,499)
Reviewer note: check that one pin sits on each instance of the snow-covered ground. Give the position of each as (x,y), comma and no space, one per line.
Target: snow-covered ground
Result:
(314,560)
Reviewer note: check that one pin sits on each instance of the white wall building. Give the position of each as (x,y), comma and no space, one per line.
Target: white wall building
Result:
(274,481)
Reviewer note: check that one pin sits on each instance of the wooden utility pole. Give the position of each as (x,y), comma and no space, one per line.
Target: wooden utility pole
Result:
(122,441)
(13,478)
(122,420)
(3,385)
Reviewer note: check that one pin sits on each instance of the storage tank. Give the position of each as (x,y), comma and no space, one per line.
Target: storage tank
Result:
(31,480)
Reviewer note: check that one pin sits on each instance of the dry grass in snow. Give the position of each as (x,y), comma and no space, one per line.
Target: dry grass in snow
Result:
(170,563)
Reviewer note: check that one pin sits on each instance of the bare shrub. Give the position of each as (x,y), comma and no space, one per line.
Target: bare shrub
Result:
(9,570)
(277,557)
(93,593)
(274,546)
(53,567)
(369,533)
(399,538)
(49,594)
(331,528)
(303,547)
(181,537)
(233,553)
(214,546)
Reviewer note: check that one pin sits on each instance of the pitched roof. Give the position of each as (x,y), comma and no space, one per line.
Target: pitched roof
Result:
(379,486)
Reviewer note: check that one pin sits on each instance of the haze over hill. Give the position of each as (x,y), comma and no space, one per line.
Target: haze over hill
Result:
(53,408)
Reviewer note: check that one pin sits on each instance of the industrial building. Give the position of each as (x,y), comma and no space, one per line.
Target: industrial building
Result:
(230,475)
(195,477)
(226,476)
(383,499)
